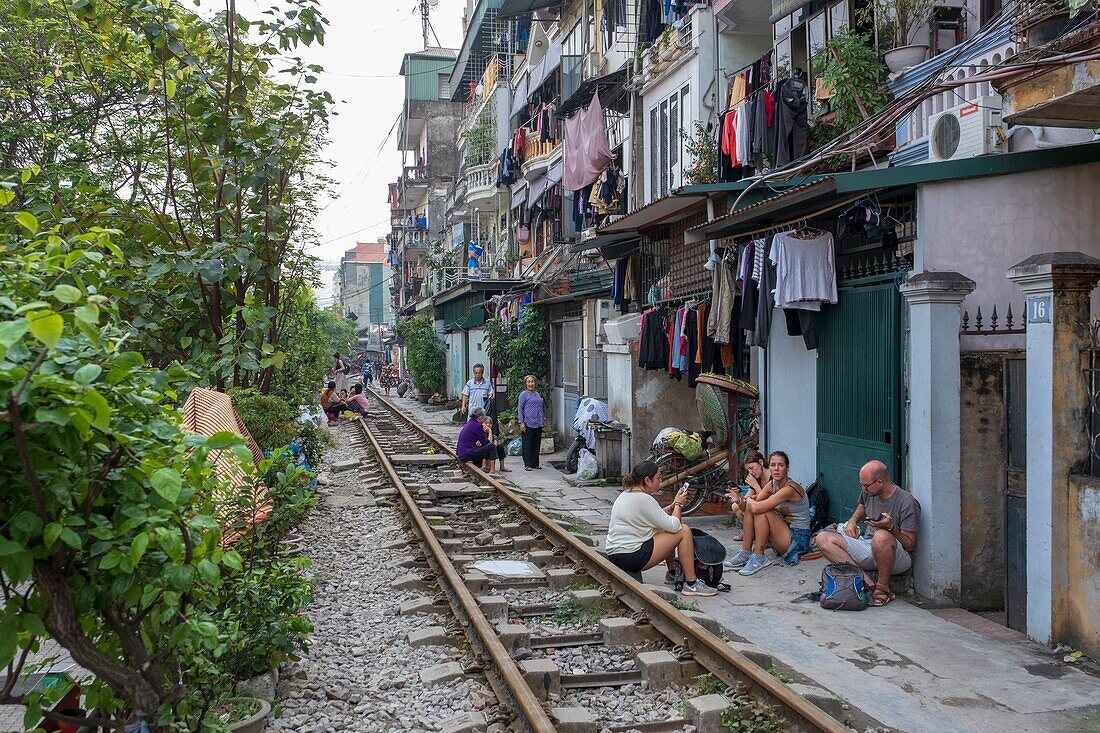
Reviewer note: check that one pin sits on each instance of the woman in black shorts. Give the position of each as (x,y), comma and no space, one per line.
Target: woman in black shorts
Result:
(642,534)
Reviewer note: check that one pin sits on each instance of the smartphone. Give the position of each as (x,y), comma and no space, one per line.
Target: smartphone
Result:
(874,519)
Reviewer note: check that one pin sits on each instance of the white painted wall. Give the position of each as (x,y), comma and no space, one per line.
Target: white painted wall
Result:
(791,390)
(620,391)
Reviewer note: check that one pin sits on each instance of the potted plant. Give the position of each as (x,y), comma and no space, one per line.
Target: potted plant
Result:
(546,447)
(702,149)
(1048,20)
(427,356)
(896,25)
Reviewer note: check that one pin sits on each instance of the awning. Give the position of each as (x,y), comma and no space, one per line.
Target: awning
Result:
(546,66)
(514,8)
(539,186)
(662,211)
(600,241)
(761,214)
(519,96)
(607,85)
(519,196)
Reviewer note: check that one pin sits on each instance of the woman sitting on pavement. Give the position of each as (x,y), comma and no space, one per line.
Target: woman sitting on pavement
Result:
(778,517)
(330,403)
(641,534)
(475,443)
(756,476)
(357,403)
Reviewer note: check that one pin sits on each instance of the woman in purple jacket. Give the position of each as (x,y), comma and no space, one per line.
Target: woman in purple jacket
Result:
(475,443)
(531,420)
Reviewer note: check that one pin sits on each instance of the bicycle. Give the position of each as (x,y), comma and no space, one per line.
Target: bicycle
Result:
(708,475)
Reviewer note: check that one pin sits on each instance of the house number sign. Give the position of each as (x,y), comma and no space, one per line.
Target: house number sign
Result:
(1038,309)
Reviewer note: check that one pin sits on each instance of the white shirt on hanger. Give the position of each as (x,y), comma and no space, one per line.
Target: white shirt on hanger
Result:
(805,271)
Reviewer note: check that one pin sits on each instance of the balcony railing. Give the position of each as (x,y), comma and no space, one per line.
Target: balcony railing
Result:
(537,156)
(481,180)
(988,52)
(415,175)
(664,53)
(476,106)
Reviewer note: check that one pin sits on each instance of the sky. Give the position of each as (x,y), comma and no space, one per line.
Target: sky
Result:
(362,57)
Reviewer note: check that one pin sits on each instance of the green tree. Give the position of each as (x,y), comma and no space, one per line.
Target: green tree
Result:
(427,357)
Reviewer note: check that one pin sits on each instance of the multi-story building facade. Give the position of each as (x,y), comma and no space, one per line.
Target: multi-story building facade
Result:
(364,276)
(718,130)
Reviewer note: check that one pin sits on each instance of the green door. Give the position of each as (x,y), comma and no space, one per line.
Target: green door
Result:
(859,389)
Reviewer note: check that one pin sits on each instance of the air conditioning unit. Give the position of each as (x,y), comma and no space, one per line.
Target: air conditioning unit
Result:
(966,131)
(594,65)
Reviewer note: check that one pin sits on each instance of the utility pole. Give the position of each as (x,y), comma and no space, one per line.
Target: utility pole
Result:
(425,5)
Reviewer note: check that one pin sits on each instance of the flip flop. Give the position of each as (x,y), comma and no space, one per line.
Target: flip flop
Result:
(505,470)
(739,538)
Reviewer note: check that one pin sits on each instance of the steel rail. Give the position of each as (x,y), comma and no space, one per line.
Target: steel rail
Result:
(503,673)
(714,654)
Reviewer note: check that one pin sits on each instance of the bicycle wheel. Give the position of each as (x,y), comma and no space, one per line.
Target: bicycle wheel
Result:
(669,465)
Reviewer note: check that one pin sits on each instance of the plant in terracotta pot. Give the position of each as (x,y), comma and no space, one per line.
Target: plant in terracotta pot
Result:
(1045,21)
(897,23)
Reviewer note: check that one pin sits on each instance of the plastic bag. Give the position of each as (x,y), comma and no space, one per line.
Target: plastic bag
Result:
(689,445)
(586,464)
(515,446)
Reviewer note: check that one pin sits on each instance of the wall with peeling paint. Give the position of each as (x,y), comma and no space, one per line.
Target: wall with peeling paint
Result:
(982,481)
(1083,591)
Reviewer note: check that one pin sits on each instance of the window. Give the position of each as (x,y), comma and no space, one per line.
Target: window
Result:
(667,119)
(838,17)
(572,55)
(613,22)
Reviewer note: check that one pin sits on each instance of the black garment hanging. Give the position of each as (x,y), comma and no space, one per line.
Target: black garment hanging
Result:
(766,302)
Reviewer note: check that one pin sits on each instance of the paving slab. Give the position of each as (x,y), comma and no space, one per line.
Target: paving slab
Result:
(420,459)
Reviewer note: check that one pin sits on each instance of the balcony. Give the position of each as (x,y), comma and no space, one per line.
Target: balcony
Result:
(1066,91)
(539,156)
(414,242)
(676,44)
(477,107)
(987,49)
(481,183)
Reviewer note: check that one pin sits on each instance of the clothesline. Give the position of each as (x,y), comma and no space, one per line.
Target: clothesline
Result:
(699,294)
(790,223)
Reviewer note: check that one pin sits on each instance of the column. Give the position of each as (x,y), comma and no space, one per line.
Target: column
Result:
(1057,286)
(935,300)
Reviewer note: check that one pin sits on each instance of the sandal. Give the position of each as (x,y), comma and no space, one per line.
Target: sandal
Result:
(739,538)
(881,596)
(505,470)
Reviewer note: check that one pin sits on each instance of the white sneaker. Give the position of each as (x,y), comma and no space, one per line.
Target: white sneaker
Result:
(739,560)
(755,565)
(698,589)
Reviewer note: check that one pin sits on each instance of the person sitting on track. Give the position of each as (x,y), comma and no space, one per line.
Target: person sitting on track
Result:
(756,476)
(475,443)
(779,517)
(641,534)
(330,403)
(892,517)
(357,403)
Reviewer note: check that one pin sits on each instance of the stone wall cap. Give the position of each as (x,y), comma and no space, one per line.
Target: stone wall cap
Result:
(1052,261)
(951,280)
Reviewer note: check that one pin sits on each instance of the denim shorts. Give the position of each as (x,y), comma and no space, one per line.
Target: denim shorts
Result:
(800,545)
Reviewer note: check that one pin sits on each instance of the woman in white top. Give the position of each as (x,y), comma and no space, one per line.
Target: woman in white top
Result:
(641,534)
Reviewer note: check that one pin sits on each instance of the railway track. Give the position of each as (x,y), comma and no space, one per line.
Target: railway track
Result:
(529,595)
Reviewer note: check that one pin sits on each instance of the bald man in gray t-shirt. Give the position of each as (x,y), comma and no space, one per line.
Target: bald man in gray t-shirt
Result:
(892,518)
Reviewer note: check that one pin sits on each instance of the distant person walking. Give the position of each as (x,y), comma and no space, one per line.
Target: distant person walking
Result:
(388,377)
(340,371)
(532,418)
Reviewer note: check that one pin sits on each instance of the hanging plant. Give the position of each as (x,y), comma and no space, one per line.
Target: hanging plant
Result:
(480,141)
(702,149)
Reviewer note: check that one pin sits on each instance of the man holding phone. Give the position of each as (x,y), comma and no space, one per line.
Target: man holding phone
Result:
(892,518)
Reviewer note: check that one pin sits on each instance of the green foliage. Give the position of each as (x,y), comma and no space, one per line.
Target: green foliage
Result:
(895,21)
(682,605)
(707,684)
(110,508)
(784,678)
(270,419)
(317,333)
(702,146)
(427,358)
(749,715)
(570,611)
(855,68)
(521,350)
(481,143)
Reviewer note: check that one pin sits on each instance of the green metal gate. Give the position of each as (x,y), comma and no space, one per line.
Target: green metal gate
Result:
(859,388)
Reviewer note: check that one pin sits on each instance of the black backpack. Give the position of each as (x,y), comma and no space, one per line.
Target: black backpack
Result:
(709,556)
(819,507)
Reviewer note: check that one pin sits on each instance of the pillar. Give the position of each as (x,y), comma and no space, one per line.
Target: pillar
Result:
(935,300)
(1057,287)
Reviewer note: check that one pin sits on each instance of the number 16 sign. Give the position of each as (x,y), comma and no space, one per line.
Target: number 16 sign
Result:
(1038,309)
